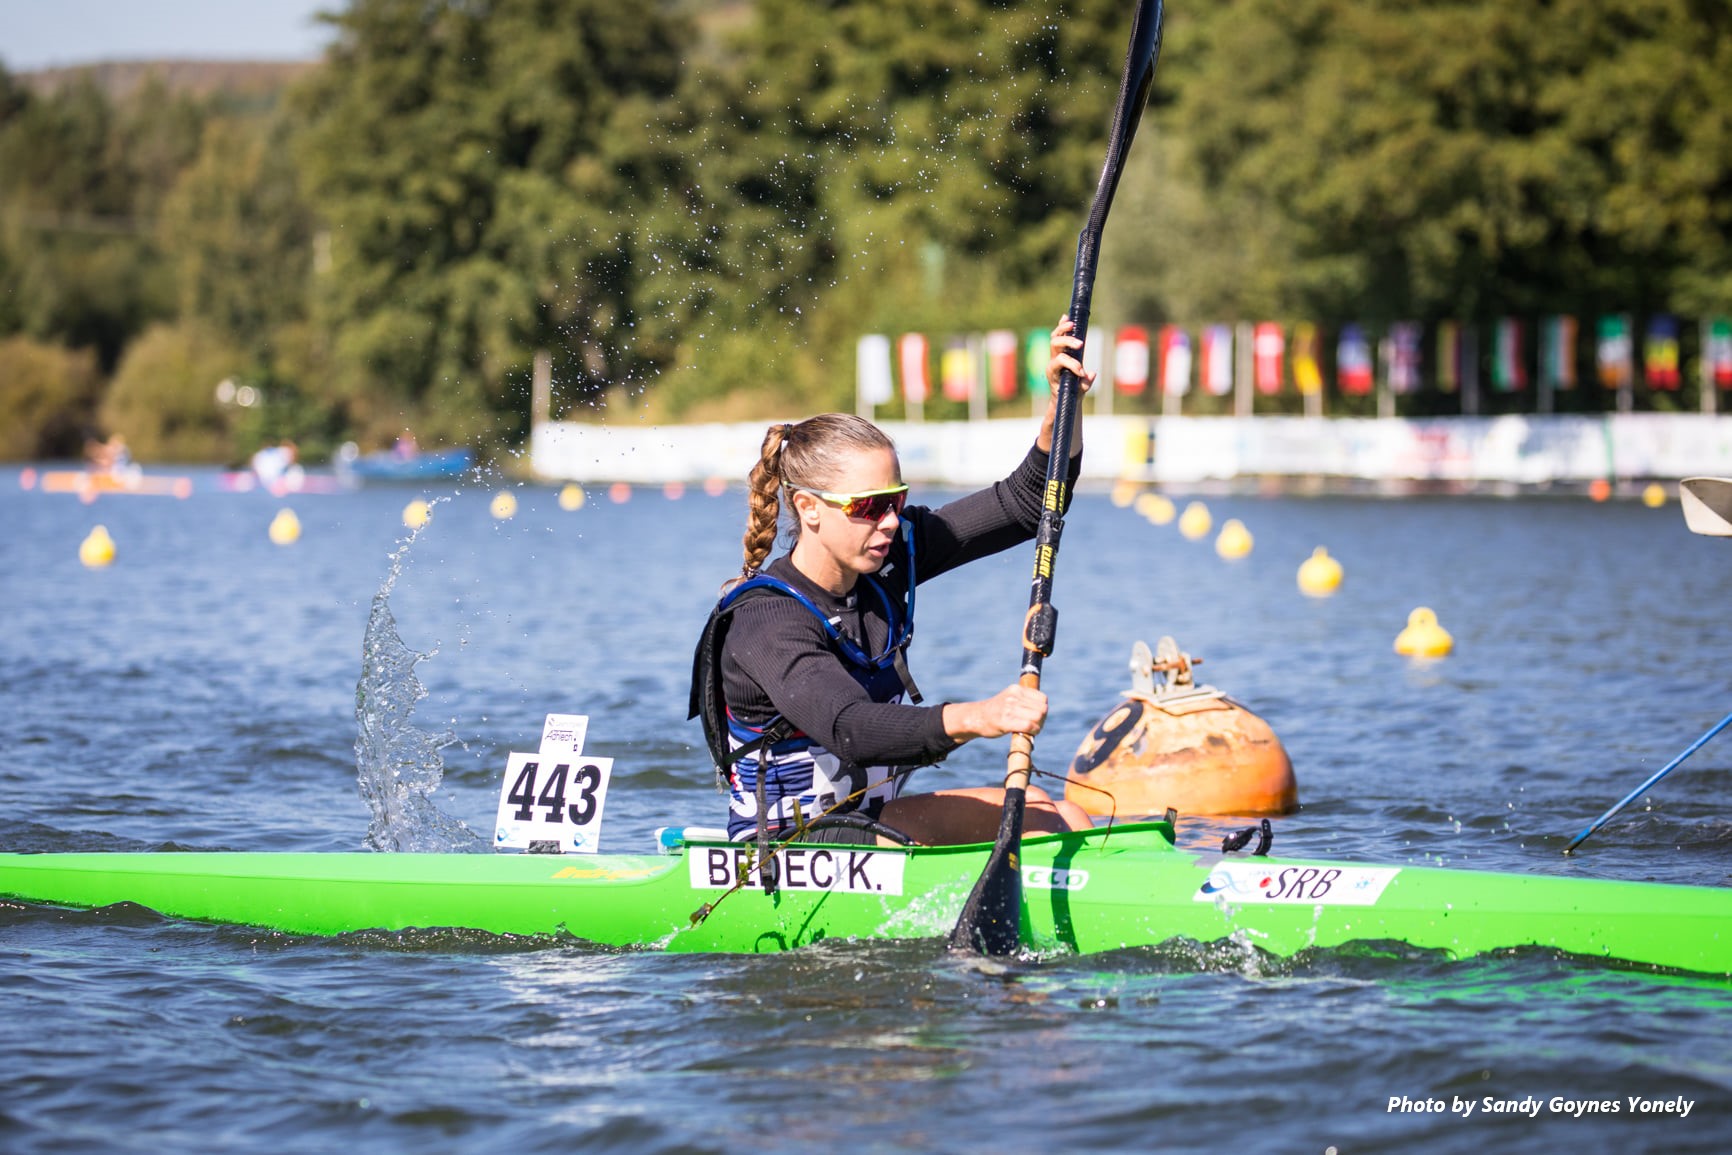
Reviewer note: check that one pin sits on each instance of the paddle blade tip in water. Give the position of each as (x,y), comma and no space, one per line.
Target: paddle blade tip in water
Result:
(991,920)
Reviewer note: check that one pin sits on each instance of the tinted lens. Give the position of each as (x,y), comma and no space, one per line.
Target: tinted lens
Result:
(874,507)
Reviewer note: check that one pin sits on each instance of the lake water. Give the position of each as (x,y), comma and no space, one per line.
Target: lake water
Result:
(200,694)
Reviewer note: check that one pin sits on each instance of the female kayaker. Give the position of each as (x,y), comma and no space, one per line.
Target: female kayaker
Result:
(803,666)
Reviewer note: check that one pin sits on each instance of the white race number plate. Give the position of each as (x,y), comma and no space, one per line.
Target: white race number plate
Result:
(552,798)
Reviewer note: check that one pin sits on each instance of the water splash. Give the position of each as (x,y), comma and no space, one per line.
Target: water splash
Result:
(399,767)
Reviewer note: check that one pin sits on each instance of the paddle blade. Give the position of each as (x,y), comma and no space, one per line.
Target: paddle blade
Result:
(1707,504)
(991,919)
(1134,87)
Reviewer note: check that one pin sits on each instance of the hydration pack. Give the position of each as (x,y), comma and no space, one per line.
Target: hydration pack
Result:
(708,697)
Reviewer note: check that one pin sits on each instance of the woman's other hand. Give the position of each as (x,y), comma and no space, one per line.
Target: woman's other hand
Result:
(1067,350)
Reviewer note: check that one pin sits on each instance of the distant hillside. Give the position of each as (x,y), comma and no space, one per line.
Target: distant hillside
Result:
(119,79)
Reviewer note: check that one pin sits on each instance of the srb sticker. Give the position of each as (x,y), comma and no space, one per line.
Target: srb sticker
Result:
(1246,882)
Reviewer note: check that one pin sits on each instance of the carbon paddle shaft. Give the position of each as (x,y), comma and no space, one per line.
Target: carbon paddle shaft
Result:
(990,922)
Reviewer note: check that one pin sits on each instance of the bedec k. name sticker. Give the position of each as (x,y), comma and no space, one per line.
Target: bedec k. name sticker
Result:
(838,871)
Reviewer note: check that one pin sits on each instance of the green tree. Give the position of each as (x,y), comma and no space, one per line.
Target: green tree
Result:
(48,400)
(474,167)
(163,396)
(80,183)
(1381,159)
(886,165)
(239,233)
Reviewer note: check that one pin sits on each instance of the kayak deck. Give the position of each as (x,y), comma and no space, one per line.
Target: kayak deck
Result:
(1082,891)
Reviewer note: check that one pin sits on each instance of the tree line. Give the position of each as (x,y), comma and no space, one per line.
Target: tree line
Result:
(697,208)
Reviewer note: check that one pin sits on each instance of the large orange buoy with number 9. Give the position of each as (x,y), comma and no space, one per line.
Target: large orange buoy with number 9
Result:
(1172,743)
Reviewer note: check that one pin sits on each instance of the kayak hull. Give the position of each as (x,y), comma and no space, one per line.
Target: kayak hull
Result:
(1082,892)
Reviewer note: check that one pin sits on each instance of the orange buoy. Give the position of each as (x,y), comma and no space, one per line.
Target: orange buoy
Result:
(1175,744)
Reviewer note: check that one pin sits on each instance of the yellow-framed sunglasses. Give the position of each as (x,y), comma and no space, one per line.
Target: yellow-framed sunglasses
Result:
(869,506)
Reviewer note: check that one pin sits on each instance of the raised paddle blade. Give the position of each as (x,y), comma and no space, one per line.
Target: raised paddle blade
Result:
(1707,504)
(990,919)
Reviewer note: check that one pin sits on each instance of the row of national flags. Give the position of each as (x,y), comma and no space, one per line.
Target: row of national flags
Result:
(1273,358)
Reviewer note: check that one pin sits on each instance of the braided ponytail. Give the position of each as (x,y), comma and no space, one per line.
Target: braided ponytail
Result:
(764,500)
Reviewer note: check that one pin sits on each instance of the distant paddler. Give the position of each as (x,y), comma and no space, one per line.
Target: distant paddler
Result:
(112,470)
(1173,743)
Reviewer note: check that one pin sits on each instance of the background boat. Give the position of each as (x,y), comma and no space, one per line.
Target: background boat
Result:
(393,465)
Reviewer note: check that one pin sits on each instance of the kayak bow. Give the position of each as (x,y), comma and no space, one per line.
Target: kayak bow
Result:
(1082,891)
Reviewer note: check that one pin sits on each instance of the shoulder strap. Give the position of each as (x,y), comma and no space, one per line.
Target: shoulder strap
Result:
(708,701)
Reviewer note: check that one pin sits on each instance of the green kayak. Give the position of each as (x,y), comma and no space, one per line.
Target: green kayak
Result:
(1086,891)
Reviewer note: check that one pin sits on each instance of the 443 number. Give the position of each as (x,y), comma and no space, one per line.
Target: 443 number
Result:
(562,780)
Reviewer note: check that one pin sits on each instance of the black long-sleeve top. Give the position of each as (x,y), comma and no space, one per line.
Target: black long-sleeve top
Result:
(777,658)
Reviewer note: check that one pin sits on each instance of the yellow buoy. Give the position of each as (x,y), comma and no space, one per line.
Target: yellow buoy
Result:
(571,497)
(96,550)
(1157,508)
(1234,540)
(1319,574)
(1124,492)
(1423,637)
(1654,496)
(417,513)
(285,527)
(504,505)
(1195,522)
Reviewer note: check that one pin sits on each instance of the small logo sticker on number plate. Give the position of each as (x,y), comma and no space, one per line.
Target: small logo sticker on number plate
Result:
(1303,885)
(799,868)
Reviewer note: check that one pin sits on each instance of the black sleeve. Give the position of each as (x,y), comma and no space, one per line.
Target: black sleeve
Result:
(778,660)
(990,521)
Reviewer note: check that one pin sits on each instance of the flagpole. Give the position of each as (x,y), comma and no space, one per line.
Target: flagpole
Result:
(1704,358)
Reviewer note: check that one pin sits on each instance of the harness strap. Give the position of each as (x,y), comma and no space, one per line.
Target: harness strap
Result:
(765,878)
(707,700)
(779,730)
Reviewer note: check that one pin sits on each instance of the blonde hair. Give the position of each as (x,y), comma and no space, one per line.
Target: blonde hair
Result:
(803,456)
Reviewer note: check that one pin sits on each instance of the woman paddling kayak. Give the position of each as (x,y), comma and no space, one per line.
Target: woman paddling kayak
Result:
(801,679)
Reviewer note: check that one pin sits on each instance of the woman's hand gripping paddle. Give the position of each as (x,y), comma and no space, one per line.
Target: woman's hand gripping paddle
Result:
(991,919)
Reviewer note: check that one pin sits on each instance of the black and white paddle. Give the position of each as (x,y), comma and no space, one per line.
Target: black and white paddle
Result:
(990,922)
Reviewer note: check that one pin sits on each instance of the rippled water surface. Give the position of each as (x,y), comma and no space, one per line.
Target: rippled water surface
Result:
(201,693)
